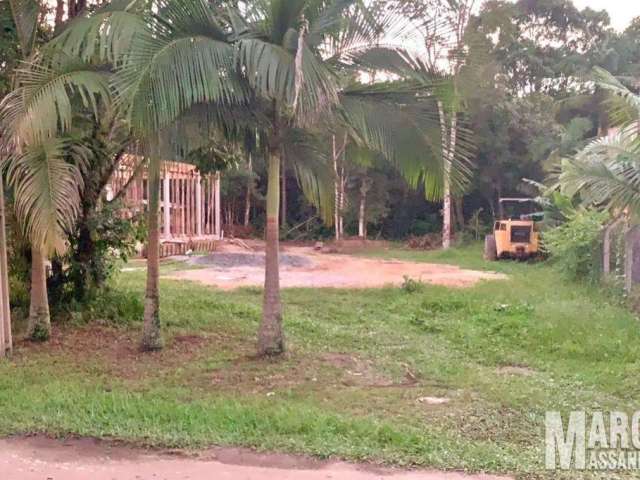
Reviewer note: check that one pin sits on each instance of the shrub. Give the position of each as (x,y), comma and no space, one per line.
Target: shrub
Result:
(100,243)
(410,285)
(575,245)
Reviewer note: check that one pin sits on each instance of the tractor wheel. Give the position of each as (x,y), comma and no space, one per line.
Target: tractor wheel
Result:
(490,249)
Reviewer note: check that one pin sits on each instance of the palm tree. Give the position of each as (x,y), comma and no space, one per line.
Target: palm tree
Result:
(46,160)
(42,164)
(606,173)
(297,55)
(167,57)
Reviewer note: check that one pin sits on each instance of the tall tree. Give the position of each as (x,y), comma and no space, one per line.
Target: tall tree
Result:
(545,46)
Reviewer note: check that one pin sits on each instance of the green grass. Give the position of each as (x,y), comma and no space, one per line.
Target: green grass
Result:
(359,363)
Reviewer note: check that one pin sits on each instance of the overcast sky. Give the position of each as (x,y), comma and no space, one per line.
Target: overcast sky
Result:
(621,11)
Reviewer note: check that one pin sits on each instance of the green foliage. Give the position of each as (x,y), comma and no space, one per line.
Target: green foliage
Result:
(97,247)
(476,227)
(9,47)
(575,245)
(532,44)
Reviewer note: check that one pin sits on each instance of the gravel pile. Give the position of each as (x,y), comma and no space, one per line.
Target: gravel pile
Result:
(231,260)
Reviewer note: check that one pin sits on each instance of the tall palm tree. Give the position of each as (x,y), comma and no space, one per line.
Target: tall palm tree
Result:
(296,55)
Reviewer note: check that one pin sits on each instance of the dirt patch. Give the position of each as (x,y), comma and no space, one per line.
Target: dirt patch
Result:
(306,268)
(37,458)
(248,374)
(353,371)
(114,351)
(518,370)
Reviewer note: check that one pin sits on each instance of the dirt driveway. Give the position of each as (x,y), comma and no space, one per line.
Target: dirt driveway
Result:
(234,267)
(39,458)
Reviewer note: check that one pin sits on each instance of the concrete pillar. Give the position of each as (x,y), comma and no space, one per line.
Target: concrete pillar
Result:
(198,206)
(218,217)
(167,204)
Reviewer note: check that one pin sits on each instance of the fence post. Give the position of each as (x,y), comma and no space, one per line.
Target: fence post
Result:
(632,258)
(606,246)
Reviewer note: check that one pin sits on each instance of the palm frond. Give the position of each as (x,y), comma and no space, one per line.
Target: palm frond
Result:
(42,104)
(408,134)
(307,154)
(106,35)
(271,72)
(606,173)
(47,183)
(624,106)
(165,78)
(25,17)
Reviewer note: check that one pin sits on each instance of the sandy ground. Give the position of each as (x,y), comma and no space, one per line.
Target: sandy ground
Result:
(234,267)
(38,458)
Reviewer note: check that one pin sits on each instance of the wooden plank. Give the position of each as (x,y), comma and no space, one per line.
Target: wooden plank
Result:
(190,205)
(218,218)
(198,206)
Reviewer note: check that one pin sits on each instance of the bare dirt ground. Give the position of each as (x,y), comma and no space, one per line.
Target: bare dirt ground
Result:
(39,458)
(234,266)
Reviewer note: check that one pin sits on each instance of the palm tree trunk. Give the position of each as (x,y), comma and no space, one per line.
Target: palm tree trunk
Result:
(151,335)
(361,217)
(458,203)
(336,188)
(446,206)
(39,327)
(270,334)
(59,15)
(5,325)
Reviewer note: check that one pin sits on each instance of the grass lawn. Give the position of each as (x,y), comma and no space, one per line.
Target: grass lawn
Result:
(359,375)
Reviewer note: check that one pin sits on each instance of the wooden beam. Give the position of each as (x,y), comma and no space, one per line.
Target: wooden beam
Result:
(199,206)
(190,215)
(218,218)
(211,209)
(167,203)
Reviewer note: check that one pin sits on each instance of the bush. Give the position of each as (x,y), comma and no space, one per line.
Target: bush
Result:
(100,243)
(575,246)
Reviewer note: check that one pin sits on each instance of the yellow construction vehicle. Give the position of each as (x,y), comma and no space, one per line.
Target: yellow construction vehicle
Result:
(515,235)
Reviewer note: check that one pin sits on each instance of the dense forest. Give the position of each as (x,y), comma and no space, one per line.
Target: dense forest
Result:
(526,100)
